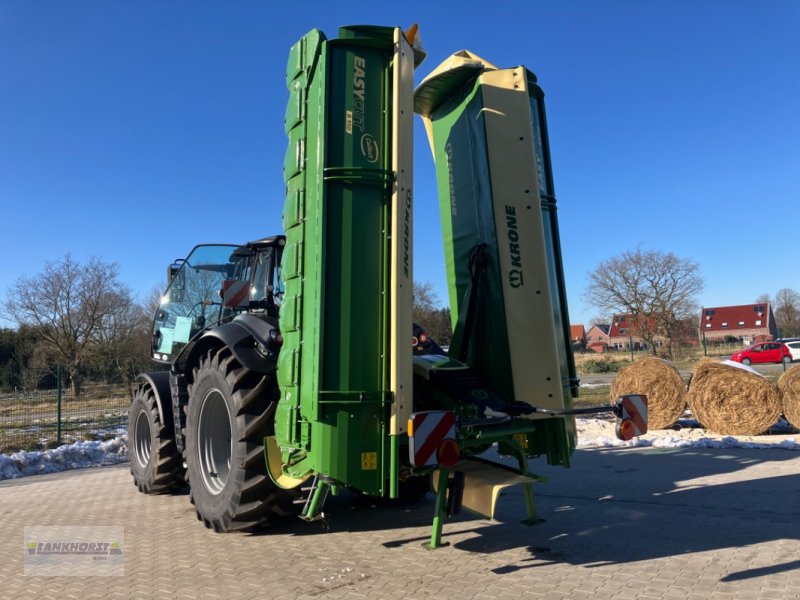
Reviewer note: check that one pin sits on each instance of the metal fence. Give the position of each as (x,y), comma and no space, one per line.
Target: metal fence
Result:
(49,416)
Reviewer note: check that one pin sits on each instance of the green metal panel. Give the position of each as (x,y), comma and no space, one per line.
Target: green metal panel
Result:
(459,145)
(331,418)
(547,193)
(569,377)
(457,109)
(302,124)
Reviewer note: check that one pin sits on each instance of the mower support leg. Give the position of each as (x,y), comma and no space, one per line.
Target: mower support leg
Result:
(317,494)
(514,447)
(440,513)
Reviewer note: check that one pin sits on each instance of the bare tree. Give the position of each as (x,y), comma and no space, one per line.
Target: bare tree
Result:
(428,315)
(73,306)
(425,299)
(657,289)
(787,311)
(123,342)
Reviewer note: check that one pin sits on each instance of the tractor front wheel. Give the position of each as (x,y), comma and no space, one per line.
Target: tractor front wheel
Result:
(231,409)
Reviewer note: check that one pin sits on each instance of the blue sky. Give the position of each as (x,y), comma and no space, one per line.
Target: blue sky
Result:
(131,131)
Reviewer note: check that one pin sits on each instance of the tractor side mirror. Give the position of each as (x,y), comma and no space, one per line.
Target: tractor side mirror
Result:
(177,281)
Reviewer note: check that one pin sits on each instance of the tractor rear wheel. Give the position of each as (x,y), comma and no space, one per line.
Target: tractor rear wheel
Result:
(231,409)
(156,464)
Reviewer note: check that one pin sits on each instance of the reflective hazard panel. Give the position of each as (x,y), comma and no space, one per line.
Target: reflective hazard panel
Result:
(235,293)
(632,416)
(426,431)
(369,461)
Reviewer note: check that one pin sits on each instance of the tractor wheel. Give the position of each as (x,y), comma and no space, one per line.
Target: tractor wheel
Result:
(156,464)
(231,409)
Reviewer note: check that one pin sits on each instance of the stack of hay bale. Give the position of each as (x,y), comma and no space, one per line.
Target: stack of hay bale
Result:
(725,397)
(789,387)
(660,382)
(732,399)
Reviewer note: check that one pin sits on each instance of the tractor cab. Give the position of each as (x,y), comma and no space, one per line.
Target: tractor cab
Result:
(214,284)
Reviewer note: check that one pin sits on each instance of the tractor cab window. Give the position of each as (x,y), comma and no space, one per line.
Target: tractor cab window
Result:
(193,298)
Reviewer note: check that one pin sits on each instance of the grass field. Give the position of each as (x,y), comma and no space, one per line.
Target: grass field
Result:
(586,362)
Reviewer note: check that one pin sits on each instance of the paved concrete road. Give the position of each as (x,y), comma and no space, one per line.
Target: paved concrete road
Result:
(627,523)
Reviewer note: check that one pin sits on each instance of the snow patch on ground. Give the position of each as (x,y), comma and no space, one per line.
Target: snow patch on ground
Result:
(592,433)
(597,433)
(71,456)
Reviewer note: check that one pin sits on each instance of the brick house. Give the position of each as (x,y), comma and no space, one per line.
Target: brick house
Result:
(597,337)
(577,334)
(749,323)
(622,335)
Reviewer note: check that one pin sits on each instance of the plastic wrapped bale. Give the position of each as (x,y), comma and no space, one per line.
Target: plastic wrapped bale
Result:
(789,386)
(660,382)
(732,399)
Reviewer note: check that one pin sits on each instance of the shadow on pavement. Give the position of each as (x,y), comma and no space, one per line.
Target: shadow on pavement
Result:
(614,506)
(632,505)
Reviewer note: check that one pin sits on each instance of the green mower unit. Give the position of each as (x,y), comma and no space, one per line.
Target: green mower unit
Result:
(295,368)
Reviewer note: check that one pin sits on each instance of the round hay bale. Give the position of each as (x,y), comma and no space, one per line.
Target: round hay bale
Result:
(789,386)
(731,399)
(660,382)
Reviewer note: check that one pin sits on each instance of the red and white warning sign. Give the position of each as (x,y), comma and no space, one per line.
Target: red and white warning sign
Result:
(634,410)
(235,293)
(426,431)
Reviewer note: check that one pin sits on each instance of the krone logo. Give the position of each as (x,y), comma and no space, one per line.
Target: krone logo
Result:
(515,278)
(369,148)
(515,256)
(407,236)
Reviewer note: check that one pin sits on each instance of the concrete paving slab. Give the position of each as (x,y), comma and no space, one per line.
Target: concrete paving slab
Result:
(620,524)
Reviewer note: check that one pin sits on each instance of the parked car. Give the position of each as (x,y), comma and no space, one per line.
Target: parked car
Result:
(765,352)
(794,348)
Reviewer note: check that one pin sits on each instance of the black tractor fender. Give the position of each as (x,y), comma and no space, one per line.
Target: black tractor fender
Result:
(158,381)
(253,339)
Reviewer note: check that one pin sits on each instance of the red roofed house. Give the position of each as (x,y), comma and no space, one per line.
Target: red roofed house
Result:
(623,334)
(748,322)
(597,338)
(577,334)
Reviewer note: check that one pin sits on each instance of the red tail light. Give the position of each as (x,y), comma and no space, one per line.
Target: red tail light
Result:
(626,429)
(448,453)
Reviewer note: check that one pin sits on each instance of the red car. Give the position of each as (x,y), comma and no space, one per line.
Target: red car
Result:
(765,352)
